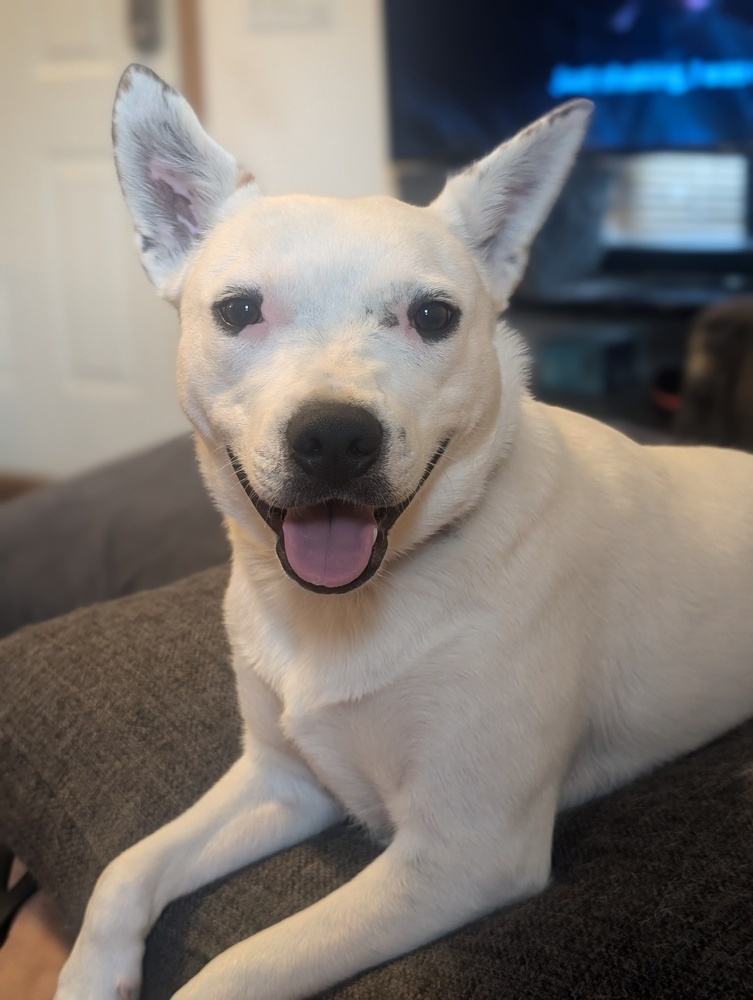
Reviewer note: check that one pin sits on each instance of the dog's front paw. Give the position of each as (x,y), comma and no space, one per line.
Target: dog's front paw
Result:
(101,972)
(70,988)
(122,992)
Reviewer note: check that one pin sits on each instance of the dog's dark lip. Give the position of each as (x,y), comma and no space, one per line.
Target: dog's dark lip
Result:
(385,518)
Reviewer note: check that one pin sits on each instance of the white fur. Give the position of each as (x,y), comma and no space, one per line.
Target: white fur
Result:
(559,610)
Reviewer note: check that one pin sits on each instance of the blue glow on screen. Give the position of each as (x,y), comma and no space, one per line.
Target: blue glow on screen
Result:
(663,74)
(649,77)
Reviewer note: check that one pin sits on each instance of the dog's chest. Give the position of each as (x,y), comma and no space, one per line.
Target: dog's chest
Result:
(360,753)
(354,702)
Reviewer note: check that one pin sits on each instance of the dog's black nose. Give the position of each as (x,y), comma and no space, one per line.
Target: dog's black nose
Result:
(335,442)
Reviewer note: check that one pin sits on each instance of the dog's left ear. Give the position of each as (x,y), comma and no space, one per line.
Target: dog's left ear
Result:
(499,204)
(175,178)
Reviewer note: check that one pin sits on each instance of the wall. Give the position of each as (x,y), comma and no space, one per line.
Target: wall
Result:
(296,89)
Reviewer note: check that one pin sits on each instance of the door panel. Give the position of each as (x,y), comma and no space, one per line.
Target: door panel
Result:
(87,351)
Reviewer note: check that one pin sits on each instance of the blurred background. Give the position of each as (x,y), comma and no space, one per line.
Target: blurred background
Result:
(637,302)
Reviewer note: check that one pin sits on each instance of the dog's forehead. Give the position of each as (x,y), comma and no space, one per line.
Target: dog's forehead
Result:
(299,239)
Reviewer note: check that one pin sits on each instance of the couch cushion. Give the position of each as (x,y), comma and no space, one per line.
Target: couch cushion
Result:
(115,718)
(141,522)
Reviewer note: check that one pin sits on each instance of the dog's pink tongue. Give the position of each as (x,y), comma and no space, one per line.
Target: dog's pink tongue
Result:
(329,545)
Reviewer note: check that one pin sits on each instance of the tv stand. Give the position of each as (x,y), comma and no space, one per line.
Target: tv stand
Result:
(608,321)
(651,289)
(607,357)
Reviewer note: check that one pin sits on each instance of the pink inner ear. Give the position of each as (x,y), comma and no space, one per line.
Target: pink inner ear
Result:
(160,171)
(177,195)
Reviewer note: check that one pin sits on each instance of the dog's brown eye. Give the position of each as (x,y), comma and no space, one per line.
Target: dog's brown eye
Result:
(434,319)
(238,313)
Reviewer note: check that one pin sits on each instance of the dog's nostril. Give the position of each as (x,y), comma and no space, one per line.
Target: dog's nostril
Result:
(360,447)
(336,442)
(308,446)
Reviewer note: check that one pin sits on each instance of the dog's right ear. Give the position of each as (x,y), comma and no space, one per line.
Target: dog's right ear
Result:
(175,178)
(498,205)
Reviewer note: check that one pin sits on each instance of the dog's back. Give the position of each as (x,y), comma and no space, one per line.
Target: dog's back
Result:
(666,535)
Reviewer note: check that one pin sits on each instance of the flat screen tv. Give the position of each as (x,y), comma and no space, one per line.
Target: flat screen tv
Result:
(664,74)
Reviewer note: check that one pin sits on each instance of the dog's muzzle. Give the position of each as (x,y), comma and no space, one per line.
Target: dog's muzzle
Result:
(333,545)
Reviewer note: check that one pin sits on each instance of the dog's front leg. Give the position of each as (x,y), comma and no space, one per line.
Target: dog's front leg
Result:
(265,802)
(419,889)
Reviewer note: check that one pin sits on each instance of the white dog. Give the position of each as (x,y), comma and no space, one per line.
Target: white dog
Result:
(453,609)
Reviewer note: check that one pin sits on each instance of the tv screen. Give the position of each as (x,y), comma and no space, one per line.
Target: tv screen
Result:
(664,74)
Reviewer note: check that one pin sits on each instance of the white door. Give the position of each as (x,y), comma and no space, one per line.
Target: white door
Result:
(87,350)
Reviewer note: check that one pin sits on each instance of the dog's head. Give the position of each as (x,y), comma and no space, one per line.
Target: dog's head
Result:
(341,360)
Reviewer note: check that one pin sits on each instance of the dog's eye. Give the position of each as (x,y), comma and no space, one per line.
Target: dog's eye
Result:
(434,319)
(236,314)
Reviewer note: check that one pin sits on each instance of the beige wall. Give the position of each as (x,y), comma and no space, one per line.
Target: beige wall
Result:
(296,90)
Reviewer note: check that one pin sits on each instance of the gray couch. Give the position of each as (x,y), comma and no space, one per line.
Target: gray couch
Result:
(118,711)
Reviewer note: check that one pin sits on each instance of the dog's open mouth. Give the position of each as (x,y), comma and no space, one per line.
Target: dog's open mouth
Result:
(333,546)
(329,545)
